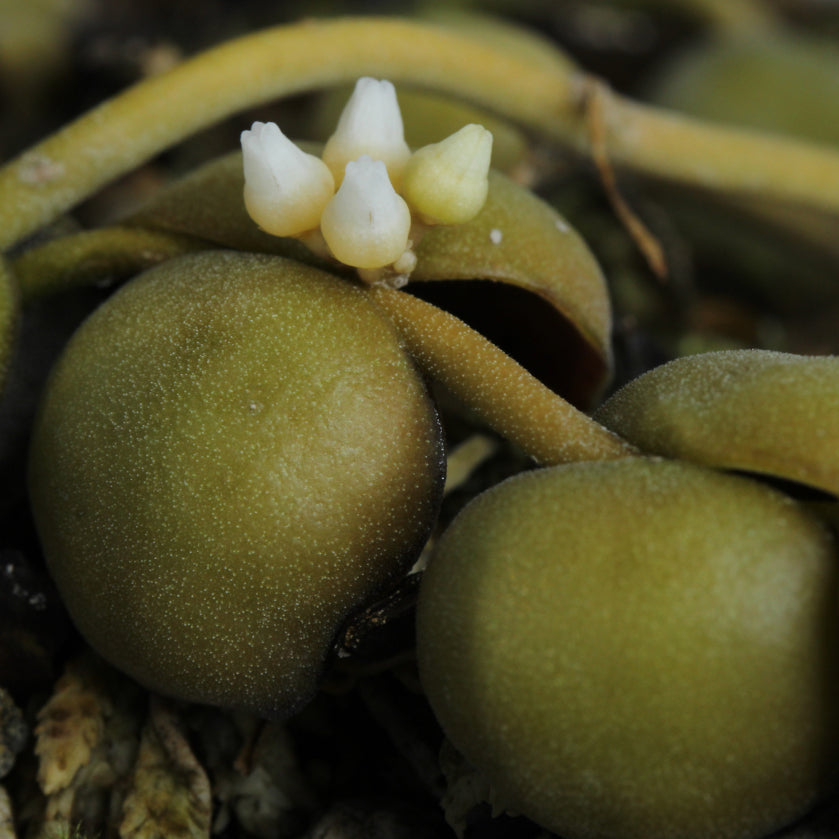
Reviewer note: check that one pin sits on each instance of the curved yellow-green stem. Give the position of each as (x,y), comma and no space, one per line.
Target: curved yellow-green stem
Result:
(109,253)
(507,397)
(125,131)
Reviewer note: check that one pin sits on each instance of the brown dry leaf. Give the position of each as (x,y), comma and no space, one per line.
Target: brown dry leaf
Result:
(7,826)
(170,793)
(596,101)
(70,726)
(256,776)
(271,797)
(466,788)
(86,740)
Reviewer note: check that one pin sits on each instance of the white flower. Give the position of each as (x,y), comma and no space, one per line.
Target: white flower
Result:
(285,188)
(447,182)
(371,123)
(366,224)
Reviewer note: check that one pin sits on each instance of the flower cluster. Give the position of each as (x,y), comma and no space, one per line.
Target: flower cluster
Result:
(385,194)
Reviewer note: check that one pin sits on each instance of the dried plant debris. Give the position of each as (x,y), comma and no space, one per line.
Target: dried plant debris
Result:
(466,789)
(466,458)
(170,793)
(108,767)
(256,778)
(31,623)
(7,827)
(273,796)
(86,740)
(13,732)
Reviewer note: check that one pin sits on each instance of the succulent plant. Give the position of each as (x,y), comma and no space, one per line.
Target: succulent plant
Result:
(238,452)
(233,453)
(643,648)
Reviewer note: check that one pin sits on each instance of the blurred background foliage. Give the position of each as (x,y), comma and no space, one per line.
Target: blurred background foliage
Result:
(738,275)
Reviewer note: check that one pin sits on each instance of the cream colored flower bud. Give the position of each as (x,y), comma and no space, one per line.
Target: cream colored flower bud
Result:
(285,188)
(366,224)
(371,123)
(446,182)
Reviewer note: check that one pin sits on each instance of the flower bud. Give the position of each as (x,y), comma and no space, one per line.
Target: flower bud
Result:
(371,123)
(285,188)
(366,224)
(446,182)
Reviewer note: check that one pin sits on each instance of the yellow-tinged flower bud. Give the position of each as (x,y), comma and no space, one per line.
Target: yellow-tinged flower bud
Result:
(366,224)
(446,182)
(285,188)
(371,123)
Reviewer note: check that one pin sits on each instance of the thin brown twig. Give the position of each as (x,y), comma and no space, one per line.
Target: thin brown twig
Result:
(595,99)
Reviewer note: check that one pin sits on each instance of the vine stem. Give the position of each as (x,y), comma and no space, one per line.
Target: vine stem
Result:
(505,395)
(107,253)
(123,132)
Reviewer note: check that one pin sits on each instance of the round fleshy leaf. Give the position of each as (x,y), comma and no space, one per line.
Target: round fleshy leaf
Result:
(261,459)
(780,83)
(659,659)
(770,413)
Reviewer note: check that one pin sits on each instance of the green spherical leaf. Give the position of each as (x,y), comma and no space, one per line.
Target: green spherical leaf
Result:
(232,455)
(767,412)
(639,649)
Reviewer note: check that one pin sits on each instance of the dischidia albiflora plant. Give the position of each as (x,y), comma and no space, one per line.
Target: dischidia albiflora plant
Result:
(256,407)
(240,448)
